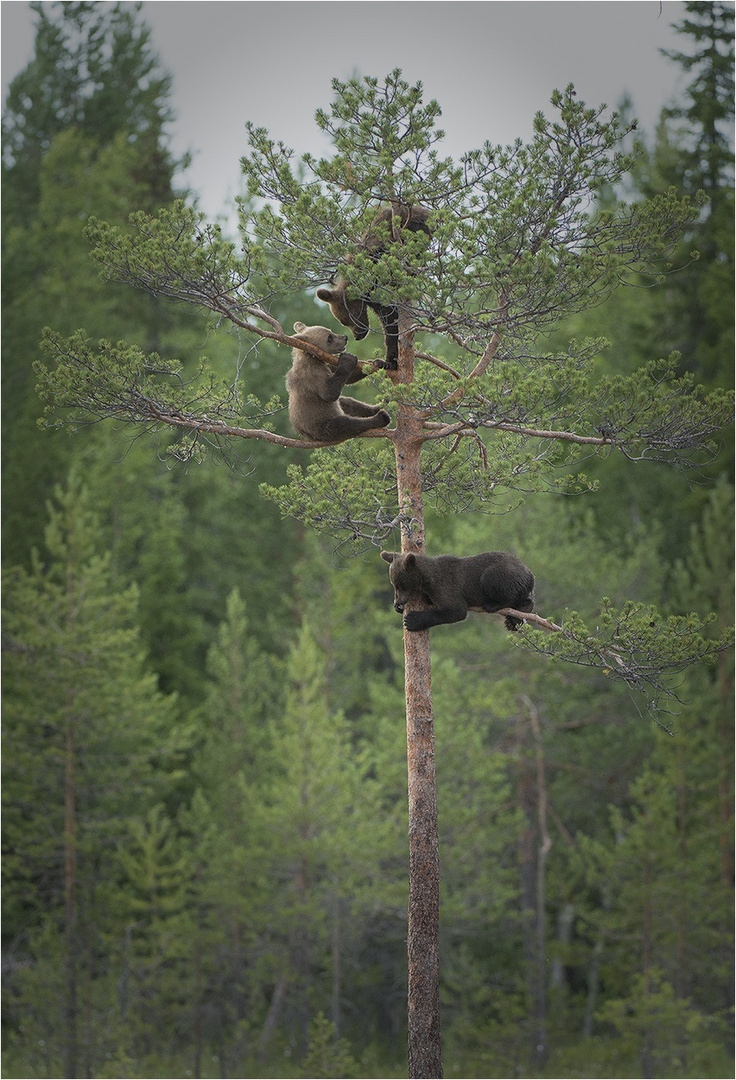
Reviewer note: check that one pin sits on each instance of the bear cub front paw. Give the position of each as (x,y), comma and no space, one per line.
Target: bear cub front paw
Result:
(415,620)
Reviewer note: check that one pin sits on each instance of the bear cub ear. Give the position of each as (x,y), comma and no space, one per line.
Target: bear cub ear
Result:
(326,294)
(389,556)
(299,327)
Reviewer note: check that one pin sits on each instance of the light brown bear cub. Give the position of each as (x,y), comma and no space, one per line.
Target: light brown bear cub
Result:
(452,586)
(316,408)
(352,311)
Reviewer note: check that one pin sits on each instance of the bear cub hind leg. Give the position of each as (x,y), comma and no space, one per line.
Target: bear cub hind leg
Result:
(352,407)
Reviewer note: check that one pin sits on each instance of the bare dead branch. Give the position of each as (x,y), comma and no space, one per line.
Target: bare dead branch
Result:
(532,617)
(493,345)
(461,428)
(541,433)
(438,363)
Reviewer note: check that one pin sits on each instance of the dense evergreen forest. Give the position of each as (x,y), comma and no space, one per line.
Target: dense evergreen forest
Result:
(204,747)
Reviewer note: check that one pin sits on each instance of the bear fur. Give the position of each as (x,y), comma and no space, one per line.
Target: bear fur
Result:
(316,409)
(451,586)
(353,311)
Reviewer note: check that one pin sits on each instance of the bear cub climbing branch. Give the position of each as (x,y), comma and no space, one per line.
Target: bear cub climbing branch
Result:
(451,586)
(316,408)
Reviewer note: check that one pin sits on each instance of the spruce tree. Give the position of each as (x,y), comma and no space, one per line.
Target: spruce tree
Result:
(706,161)
(93,71)
(321,844)
(84,132)
(89,743)
(694,152)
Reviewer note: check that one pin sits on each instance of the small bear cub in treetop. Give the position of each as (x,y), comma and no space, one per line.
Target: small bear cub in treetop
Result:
(452,586)
(353,311)
(316,409)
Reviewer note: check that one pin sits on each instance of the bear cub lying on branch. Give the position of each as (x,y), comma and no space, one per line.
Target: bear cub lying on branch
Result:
(316,409)
(452,586)
(353,311)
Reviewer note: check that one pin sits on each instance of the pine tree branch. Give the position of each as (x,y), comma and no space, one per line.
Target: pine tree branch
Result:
(119,381)
(276,334)
(438,363)
(461,429)
(150,411)
(648,649)
(488,353)
(532,617)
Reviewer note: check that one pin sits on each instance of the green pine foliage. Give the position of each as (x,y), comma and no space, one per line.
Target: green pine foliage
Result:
(93,71)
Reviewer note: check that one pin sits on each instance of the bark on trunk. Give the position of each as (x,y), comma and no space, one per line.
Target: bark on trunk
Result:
(545,843)
(425,1055)
(425,1059)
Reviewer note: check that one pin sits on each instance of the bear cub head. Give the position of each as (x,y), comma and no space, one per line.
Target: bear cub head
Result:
(352,313)
(321,337)
(406,578)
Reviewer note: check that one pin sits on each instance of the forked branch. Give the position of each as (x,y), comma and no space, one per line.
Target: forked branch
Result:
(488,353)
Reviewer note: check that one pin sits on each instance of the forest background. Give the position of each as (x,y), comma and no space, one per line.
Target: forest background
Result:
(204,761)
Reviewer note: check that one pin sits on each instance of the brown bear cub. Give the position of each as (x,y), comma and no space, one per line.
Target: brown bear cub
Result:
(316,409)
(452,586)
(353,311)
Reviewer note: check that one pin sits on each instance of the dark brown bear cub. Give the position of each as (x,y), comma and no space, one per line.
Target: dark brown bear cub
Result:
(452,586)
(353,311)
(316,408)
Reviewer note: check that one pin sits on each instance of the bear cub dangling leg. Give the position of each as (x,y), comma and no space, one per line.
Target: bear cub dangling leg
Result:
(316,408)
(353,311)
(451,586)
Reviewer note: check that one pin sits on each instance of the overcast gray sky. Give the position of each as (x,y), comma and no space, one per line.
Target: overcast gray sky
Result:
(490,65)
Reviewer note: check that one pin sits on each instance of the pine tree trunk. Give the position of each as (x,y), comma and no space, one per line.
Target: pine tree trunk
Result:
(425,1052)
(273,1014)
(545,843)
(425,1058)
(527,871)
